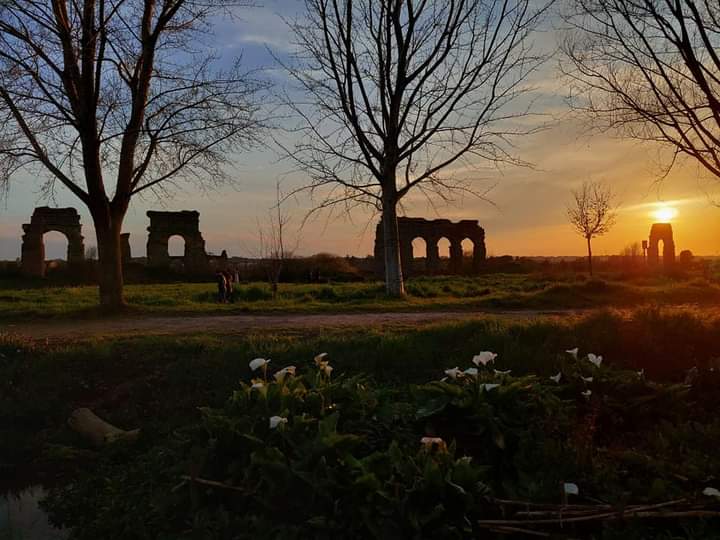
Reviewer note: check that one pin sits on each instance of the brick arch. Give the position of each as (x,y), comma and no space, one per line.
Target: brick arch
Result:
(664,232)
(185,224)
(66,221)
(432,230)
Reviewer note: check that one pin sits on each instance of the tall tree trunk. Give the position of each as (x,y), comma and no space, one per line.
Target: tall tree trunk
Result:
(394,284)
(110,277)
(589,257)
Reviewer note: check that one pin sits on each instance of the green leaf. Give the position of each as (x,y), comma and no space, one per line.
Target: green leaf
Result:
(433,406)
(328,425)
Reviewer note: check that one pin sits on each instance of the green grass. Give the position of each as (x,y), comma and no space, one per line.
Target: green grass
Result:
(494,291)
(158,383)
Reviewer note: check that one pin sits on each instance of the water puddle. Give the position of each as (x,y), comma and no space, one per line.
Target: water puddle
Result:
(21,518)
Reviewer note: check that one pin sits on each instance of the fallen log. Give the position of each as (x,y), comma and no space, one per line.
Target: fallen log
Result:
(96,430)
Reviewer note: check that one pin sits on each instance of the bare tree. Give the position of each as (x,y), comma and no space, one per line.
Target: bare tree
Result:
(650,69)
(400,92)
(113,99)
(592,212)
(274,249)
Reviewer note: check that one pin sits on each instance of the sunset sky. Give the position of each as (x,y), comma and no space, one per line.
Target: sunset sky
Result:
(525,214)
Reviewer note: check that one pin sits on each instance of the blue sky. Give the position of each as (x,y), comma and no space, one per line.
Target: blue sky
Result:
(526,216)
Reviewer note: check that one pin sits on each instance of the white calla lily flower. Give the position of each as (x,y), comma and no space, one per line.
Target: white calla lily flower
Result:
(484,358)
(320,358)
(587,379)
(711,492)
(573,352)
(428,441)
(556,378)
(257,363)
(641,373)
(454,373)
(489,386)
(586,394)
(472,372)
(276,421)
(257,384)
(284,372)
(571,489)
(595,360)
(506,372)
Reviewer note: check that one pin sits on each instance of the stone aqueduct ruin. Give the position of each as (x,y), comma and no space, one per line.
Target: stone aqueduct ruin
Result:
(661,232)
(432,231)
(163,225)
(63,220)
(186,224)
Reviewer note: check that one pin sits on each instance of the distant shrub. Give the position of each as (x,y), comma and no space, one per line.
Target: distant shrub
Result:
(252,293)
(421,290)
(472,292)
(596,286)
(326,293)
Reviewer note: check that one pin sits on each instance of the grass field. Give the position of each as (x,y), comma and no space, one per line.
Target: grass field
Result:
(642,440)
(494,291)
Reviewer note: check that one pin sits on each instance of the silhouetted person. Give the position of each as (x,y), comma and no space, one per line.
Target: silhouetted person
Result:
(222,285)
(229,285)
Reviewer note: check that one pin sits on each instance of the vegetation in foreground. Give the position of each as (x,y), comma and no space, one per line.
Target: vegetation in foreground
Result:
(351,451)
(491,291)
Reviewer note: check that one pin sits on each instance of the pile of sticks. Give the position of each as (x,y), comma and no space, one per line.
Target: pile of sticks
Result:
(544,520)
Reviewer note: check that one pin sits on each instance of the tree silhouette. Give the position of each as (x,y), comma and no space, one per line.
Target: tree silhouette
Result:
(591,213)
(399,91)
(113,99)
(650,69)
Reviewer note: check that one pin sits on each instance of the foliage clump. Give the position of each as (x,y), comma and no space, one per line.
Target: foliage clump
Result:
(304,453)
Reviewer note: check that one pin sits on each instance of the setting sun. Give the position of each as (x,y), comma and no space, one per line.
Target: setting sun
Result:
(665,214)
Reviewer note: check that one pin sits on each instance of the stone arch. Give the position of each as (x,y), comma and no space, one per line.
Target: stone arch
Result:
(185,224)
(176,246)
(419,253)
(444,246)
(419,245)
(66,221)
(432,231)
(467,253)
(56,246)
(661,232)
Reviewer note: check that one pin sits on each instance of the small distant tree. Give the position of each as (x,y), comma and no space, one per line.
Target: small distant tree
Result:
(274,251)
(592,212)
(632,253)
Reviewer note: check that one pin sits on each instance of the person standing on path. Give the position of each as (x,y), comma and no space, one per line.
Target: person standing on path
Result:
(222,287)
(230,285)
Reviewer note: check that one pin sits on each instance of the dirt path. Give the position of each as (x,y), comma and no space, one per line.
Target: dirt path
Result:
(69,330)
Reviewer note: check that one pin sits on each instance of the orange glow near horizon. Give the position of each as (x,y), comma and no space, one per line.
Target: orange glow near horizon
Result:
(665,213)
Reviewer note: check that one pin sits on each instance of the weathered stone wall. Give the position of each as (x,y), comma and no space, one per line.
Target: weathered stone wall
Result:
(186,224)
(44,219)
(431,231)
